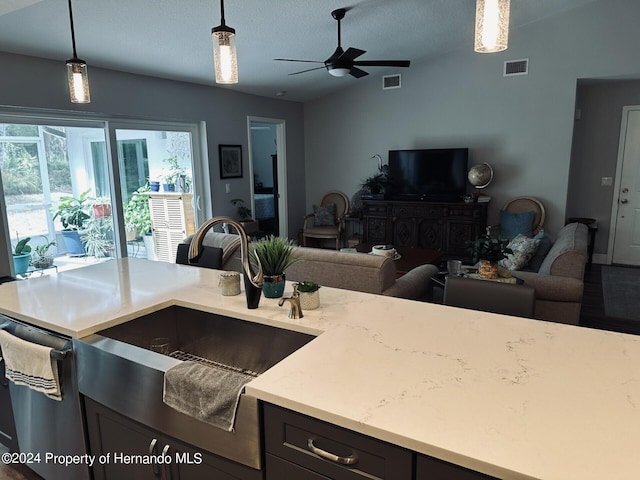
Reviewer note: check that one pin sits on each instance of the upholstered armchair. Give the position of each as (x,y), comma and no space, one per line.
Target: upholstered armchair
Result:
(327,219)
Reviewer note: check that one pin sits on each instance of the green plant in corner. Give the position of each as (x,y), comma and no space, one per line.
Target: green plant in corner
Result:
(275,254)
(488,248)
(244,212)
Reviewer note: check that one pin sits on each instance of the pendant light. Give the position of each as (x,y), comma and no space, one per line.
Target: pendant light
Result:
(77,74)
(224,51)
(492,25)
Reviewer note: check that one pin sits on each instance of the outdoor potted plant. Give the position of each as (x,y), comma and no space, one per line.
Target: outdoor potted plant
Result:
(40,257)
(22,256)
(488,251)
(309,295)
(275,254)
(137,218)
(101,207)
(73,213)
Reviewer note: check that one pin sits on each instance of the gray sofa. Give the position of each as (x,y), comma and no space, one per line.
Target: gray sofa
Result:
(361,272)
(559,281)
(331,268)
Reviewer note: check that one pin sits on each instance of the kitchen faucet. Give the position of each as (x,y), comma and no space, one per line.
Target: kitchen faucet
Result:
(252,283)
(294,300)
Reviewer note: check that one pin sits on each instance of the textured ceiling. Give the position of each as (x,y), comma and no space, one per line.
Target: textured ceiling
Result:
(171,38)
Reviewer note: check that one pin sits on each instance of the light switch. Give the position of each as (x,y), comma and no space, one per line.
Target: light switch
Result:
(227,188)
(606,181)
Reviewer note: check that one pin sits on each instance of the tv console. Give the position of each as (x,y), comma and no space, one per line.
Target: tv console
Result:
(443,226)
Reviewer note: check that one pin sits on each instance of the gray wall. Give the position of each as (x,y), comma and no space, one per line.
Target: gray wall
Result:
(595,150)
(522,126)
(37,83)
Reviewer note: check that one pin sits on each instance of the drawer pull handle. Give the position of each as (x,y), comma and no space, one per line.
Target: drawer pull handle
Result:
(153,451)
(350,460)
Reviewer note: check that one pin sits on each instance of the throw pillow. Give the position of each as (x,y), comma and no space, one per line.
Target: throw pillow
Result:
(541,253)
(512,224)
(324,215)
(523,249)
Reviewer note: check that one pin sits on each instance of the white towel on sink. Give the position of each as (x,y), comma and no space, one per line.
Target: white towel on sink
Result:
(31,365)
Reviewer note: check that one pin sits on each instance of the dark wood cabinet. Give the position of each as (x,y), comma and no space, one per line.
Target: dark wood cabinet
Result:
(432,225)
(428,468)
(121,438)
(301,447)
(291,438)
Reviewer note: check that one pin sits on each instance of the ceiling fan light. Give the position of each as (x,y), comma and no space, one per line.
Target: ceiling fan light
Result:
(492,26)
(78,80)
(224,55)
(339,71)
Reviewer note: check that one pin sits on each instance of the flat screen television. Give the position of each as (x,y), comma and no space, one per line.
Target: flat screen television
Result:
(429,175)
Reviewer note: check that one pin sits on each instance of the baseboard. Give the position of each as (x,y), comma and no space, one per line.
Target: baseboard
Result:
(600,258)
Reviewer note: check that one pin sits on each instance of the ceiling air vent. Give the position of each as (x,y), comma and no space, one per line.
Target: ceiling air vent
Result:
(391,81)
(516,67)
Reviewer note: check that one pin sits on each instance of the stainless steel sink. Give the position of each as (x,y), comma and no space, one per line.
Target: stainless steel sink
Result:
(118,368)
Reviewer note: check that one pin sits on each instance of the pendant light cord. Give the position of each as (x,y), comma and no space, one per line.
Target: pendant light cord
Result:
(73,33)
(221,12)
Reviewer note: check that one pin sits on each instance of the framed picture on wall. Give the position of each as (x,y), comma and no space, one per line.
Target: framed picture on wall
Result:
(230,161)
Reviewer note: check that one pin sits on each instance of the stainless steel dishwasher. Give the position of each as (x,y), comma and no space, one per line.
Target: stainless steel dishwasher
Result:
(44,426)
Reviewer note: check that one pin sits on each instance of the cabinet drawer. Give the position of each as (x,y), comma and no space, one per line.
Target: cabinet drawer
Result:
(428,468)
(279,469)
(293,436)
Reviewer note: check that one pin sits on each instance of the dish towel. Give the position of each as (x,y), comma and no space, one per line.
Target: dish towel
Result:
(31,365)
(207,393)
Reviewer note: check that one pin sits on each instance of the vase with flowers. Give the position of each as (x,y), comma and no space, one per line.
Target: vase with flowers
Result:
(488,251)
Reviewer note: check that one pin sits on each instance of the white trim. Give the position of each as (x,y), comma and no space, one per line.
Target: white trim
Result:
(618,180)
(283,213)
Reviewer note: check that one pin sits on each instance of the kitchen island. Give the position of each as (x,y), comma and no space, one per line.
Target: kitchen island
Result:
(509,397)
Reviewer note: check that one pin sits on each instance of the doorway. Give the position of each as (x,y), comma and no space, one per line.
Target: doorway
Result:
(267,168)
(625,215)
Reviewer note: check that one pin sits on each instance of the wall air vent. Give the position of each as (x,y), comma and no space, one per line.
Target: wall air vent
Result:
(391,81)
(516,67)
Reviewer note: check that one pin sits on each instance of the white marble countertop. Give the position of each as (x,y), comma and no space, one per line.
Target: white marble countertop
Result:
(513,398)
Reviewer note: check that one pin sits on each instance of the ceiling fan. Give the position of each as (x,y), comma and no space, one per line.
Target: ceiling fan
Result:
(343,62)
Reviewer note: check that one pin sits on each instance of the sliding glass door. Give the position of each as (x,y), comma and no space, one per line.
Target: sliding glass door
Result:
(156,165)
(80,189)
(50,171)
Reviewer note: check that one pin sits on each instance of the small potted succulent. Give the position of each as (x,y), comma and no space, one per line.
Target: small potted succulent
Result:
(488,251)
(309,294)
(275,254)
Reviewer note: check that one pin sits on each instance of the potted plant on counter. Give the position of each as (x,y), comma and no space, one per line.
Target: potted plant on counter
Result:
(21,255)
(309,295)
(488,251)
(275,254)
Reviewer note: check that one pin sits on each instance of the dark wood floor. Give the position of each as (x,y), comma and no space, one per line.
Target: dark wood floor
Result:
(592,313)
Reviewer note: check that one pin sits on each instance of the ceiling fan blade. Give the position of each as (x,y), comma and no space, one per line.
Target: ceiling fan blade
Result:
(293,60)
(357,73)
(382,63)
(305,71)
(352,53)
